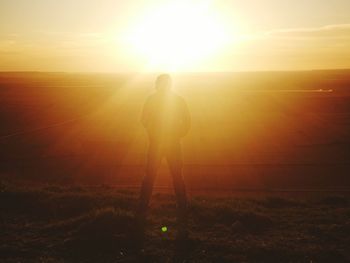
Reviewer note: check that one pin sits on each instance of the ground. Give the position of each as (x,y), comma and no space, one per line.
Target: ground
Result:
(79,223)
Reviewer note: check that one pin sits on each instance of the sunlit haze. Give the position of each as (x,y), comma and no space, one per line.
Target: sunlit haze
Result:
(174,131)
(172,42)
(119,36)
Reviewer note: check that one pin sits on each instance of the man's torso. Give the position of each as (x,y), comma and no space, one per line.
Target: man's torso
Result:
(164,117)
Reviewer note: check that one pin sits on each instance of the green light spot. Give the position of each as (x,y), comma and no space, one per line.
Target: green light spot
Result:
(164,229)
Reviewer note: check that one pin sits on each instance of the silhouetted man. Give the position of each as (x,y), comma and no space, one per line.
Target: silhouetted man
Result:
(166,118)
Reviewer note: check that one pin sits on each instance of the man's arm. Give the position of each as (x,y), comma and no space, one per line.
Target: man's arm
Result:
(145,114)
(186,120)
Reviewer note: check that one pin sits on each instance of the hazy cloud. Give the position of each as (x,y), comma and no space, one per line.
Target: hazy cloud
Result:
(331,31)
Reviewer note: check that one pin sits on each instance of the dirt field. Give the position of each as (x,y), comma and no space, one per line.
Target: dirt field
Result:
(288,130)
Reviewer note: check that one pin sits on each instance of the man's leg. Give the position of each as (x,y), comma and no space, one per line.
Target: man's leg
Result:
(174,159)
(153,161)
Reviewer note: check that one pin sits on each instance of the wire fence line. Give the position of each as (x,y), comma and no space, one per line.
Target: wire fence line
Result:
(102,156)
(187,165)
(237,189)
(23,132)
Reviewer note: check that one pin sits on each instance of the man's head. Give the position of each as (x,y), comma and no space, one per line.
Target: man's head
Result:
(163,83)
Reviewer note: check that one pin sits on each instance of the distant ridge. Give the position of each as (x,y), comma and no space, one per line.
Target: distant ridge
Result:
(346,70)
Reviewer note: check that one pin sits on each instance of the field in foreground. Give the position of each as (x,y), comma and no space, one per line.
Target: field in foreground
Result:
(93,224)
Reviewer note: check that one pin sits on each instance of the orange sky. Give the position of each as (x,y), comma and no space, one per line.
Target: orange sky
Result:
(87,35)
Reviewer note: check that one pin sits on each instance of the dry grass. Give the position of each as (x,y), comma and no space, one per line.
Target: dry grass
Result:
(95,224)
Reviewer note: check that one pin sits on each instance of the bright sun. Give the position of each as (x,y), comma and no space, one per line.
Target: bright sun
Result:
(178,35)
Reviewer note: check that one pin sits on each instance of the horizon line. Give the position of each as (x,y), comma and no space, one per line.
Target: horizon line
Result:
(180,72)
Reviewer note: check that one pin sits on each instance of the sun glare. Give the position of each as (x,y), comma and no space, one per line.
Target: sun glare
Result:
(176,36)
